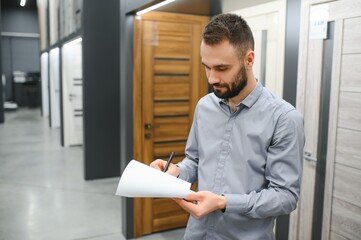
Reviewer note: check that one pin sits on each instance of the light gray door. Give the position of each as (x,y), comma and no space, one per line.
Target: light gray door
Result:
(72,80)
(341,216)
(54,87)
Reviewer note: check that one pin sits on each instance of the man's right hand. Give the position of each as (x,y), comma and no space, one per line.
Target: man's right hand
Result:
(160,164)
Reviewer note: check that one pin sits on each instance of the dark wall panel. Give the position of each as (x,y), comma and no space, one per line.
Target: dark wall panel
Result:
(20,20)
(101,50)
(291,50)
(6,67)
(290,81)
(19,54)
(1,85)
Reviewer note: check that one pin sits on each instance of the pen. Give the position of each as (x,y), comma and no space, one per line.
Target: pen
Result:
(168,162)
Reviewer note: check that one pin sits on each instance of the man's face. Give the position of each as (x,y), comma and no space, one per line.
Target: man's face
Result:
(224,70)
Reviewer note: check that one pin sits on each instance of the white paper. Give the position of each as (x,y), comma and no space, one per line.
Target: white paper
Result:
(319,17)
(140,180)
(318,29)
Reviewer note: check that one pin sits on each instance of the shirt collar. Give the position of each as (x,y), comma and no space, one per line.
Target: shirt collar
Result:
(250,100)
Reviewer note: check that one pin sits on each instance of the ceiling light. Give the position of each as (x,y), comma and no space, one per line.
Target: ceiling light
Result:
(22,3)
(151,8)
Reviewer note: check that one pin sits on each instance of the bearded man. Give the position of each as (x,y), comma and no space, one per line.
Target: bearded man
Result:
(245,147)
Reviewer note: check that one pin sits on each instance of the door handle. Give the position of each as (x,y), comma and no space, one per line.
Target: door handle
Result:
(150,126)
(308,157)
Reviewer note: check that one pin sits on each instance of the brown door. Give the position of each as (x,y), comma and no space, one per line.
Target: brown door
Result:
(168,82)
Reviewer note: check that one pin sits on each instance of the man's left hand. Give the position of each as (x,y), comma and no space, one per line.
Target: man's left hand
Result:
(199,204)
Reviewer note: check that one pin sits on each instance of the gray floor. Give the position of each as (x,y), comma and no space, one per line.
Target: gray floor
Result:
(42,191)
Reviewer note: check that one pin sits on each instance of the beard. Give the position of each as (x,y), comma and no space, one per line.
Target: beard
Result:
(237,84)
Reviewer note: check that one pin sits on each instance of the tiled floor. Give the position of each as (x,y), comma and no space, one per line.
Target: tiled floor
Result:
(42,191)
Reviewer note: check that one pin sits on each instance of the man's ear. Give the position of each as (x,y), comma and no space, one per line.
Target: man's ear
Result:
(249,59)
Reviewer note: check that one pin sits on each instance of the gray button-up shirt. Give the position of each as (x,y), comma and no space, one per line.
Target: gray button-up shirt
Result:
(252,156)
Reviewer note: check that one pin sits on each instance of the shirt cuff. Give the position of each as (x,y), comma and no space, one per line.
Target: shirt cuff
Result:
(236,203)
(182,174)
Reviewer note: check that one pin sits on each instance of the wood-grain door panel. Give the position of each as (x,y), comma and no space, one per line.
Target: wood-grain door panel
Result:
(166,90)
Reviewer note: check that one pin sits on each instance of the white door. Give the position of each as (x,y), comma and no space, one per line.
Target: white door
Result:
(267,22)
(54,87)
(44,61)
(72,93)
(342,192)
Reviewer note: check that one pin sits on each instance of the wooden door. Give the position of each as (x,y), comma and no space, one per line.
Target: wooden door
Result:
(342,208)
(168,82)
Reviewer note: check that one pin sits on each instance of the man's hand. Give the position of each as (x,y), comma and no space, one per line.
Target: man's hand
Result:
(201,203)
(160,164)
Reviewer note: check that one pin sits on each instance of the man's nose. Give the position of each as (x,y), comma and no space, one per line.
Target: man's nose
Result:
(213,78)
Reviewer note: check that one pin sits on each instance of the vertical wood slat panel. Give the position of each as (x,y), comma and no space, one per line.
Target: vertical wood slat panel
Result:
(177,108)
(349,110)
(166,207)
(347,185)
(173,49)
(344,9)
(350,75)
(171,79)
(170,87)
(301,91)
(171,129)
(171,67)
(149,40)
(174,29)
(346,219)
(345,198)
(172,91)
(332,130)
(352,35)
(137,120)
(164,149)
(348,149)
(335,236)
(312,95)
(311,126)
(195,89)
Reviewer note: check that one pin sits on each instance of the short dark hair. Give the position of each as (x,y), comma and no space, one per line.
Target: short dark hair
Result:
(229,27)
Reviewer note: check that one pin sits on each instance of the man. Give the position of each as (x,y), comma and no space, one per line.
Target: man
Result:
(245,146)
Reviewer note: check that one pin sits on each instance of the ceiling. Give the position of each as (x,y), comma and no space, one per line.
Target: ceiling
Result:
(11,4)
(195,7)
